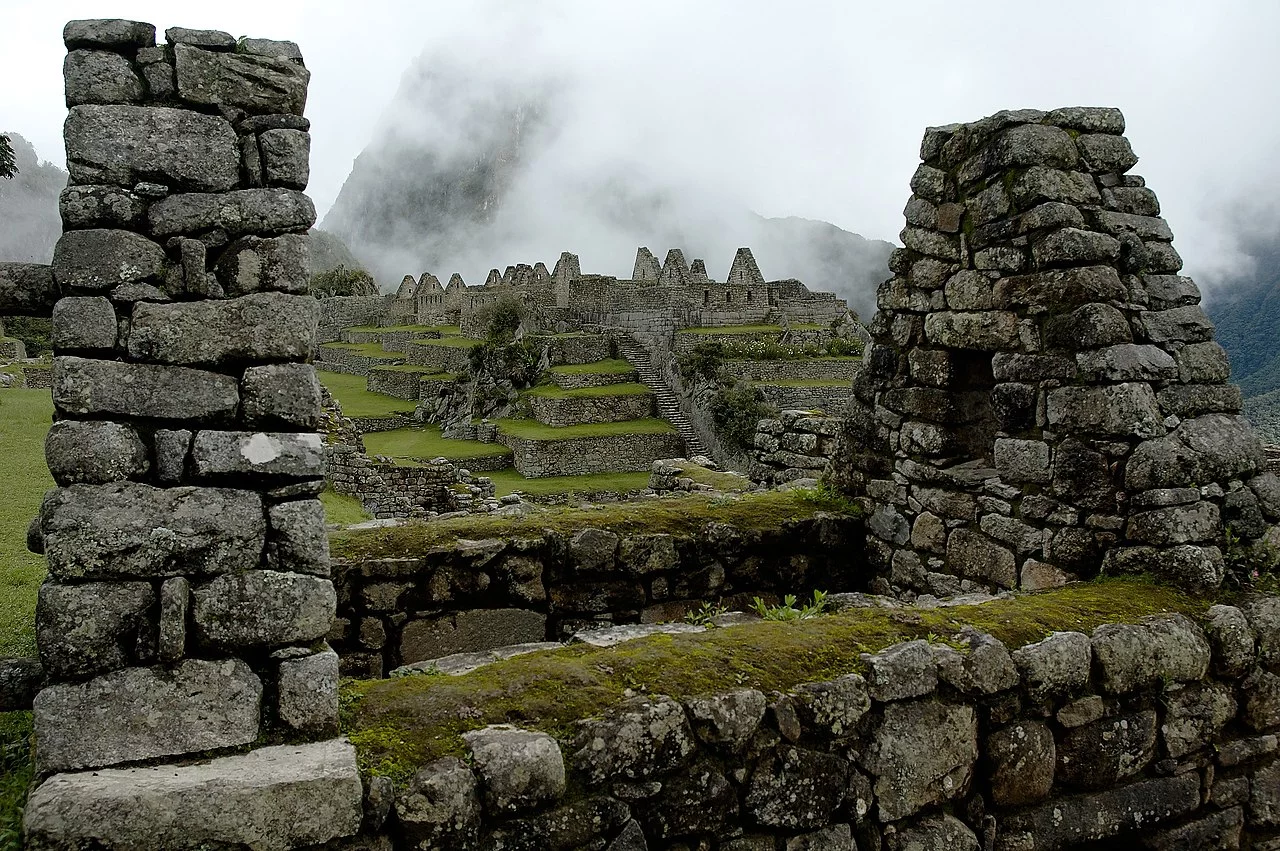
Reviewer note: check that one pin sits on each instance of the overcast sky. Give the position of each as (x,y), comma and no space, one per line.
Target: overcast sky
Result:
(801,108)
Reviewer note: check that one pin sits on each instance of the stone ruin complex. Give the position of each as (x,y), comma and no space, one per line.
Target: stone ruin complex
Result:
(1042,398)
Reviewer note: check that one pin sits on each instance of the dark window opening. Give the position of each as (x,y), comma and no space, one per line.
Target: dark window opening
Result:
(706,297)
(972,383)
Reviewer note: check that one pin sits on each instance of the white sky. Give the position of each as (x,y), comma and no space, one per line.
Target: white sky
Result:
(800,108)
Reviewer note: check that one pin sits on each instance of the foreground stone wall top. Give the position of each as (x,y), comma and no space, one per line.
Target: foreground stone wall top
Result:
(1044,395)
(189,593)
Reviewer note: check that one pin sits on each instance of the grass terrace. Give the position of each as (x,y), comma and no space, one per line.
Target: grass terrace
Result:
(509,481)
(551,391)
(343,510)
(399,725)
(810,382)
(357,401)
(407,445)
(615,366)
(427,372)
(533,430)
(449,342)
(446,330)
(25,416)
(369,350)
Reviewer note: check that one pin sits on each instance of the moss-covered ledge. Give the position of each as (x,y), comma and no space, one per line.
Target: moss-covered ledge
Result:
(400,725)
(674,516)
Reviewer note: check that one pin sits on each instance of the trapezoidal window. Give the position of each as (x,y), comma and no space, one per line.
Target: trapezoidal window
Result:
(748,296)
(706,297)
(728,297)
(972,383)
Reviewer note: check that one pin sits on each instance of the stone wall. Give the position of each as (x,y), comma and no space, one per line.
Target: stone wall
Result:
(188,593)
(796,445)
(478,595)
(388,490)
(401,383)
(794,370)
(37,376)
(576,410)
(349,361)
(578,349)
(342,312)
(579,455)
(1150,735)
(824,398)
(1043,396)
(27,289)
(452,359)
(579,380)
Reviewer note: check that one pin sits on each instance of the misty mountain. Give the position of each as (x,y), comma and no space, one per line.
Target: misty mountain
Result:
(329,252)
(475,166)
(1247,316)
(29,220)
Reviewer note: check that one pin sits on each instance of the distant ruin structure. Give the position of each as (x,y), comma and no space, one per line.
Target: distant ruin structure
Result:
(1043,398)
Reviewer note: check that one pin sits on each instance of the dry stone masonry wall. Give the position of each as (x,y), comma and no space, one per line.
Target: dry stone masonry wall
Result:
(1044,396)
(189,594)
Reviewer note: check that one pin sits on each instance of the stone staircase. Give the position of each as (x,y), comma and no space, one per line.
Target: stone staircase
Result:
(668,405)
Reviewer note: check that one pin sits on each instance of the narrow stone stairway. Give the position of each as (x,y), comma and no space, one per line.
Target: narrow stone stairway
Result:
(668,404)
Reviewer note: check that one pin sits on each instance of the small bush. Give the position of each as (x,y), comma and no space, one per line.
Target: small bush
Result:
(1251,566)
(736,411)
(341,281)
(34,332)
(501,318)
(788,610)
(703,363)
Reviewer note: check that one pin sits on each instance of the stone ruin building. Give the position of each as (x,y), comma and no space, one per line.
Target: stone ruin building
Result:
(1042,399)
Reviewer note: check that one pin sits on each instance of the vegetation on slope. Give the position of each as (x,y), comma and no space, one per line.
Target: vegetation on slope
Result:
(628,389)
(533,430)
(24,477)
(426,443)
(356,400)
(615,366)
(509,481)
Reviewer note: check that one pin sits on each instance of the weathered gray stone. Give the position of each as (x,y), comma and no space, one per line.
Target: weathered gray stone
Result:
(1188,566)
(902,671)
(612,636)
(833,708)
(987,667)
(594,549)
(172,448)
(221,453)
(108,32)
(84,324)
(1032,145)
(1264,802)
(257,327)
(142,713)
(100,207)
(1039,183)
(273,799)
(1194,717)
(440,805)
(1106,153)
(307,692)
(1218,831)
(643,554)
(100,259)
(1087,119)
(519,770)
(1021,760)
(638,739)
(84,386)
(1179,524)
(261,212)
(1231,640)
(271,47)
(1180,324)
(1022,537)
(1068,822)
(98,76)
(1022,460)
(796,789)
(992,330)
(93,627)
(252,264)
(1089,326)
(94,452)
(972,554)
(838,837)
(287,393)
(922,754)
(135,530)
(1098,755)
(727,720)
(1075,247)
(1128,362)
(124,145)
(257,84)
(476,629)
(213,39)
(299,539)
(286,158)
(698,800)
(1263,612)
(1056,665)
(1139,656)
(175,601)
(1121,409)
(262,608)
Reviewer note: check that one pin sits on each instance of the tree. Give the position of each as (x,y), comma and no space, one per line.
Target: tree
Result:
(8,165)
(343,281)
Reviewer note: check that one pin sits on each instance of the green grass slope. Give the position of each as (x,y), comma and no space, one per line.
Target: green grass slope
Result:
(24,419)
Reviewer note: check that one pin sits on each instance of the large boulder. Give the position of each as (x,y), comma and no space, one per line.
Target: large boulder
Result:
(922,754)
(125,145)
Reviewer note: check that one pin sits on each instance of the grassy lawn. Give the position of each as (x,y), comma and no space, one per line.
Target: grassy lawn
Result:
(717,479)
(24,477)
(533,430)
(441,329)
(811,382)
(398,725)
(408,367)
(615,366)
(449,342)
(342,509)
(509,481)
(552,391)
(426,443)
(357,401)
(369,350)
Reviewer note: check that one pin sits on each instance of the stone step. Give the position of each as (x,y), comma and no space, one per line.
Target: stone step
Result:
(668,401)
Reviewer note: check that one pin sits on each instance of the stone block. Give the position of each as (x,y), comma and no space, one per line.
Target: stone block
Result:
(1021,759)
(1040,183)
(1131,657)
(83,386)
(1213,447)
(110,33)
(257,84)
(142,713)
(1055,666)
(1195,716)
(161,82)
(833,708)
(307,693)
(1128,362)
(257,327)
(262,608)
(94,452)
(796,789)
(440,806)
(986,668)
(173,446)
(286,393)
(1008,366)
(922,754)
(252,264)
(175,601)
(84,323)
(465,631)
(286,157)
(636,740)
(1179,524)
(519,771)
(245,211)
(299,539)
(1060,290)
(1089,326)
(1231,640)
(125,145)
(903,671)
(100,207)
(1033,145)
(139,531)
(939,833)
(727,721)
(211,39)
(1180,324)
(93,627)
(1122,410)
(974,555)
(984,331)
(1101,754)
(1106,153)
(239,453)
(1219,831)
(1075,247)
(99,76)
(1022,460)
(273,798)
(101,259)
(271,47)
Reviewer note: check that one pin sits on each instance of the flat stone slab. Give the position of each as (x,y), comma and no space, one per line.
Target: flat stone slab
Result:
(613,635)
(457,664)
(272,798)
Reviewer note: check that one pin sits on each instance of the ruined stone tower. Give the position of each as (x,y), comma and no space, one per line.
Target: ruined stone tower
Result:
(188,596)
(1044,397)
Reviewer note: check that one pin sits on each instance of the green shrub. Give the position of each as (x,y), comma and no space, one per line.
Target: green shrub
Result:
(516,361)
(788,611)
(703,363)
(1251,566)
(341,281)
(736,411)
(34,332)
(501,318)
